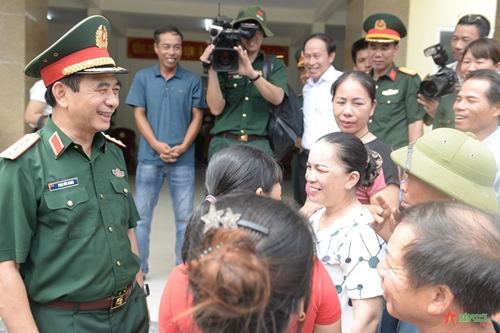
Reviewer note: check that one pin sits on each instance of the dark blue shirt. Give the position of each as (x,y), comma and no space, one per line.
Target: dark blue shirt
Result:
(168,107)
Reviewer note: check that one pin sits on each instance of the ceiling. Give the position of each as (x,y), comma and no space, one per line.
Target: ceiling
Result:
(293,20)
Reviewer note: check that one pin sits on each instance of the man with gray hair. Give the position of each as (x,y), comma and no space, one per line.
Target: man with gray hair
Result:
(442,268)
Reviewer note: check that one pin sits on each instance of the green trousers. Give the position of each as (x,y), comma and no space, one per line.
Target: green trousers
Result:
(130,318)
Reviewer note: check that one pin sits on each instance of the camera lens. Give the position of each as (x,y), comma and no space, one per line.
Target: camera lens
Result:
(429,88)
(225,58)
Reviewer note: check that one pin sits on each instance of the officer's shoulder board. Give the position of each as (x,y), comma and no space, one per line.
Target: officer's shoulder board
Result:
(20,146)
(407,71)
(115,141)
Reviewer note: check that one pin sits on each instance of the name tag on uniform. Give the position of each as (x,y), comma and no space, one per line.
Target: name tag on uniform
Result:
(63,184)
(235,76)
(390,92)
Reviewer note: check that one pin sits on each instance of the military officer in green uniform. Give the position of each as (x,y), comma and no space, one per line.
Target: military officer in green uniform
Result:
(68,254)
(397,119)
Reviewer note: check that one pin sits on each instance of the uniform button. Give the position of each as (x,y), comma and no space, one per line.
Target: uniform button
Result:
(118,263)
(242,131)
(101,196)
(70,203)
(376,86)
(110,229)
(235,85)
(125,190)
(76,147)
(244,115)
(246,98)
(388,102)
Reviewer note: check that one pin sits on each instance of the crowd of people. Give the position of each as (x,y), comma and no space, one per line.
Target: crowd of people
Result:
(390,230)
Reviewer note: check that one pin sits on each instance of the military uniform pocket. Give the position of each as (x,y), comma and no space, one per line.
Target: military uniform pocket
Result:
(70,213)
(390,105)
(120,198)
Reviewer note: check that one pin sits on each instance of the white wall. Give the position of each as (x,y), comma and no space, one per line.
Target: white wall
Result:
(427,16)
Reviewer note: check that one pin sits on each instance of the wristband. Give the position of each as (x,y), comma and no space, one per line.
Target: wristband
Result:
(206,65)
(255,79)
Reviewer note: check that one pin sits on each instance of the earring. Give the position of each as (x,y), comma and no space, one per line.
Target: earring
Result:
(348,190)
(302,317)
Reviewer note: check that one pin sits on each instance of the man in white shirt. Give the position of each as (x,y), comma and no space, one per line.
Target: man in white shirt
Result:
(319,52)
(477,110)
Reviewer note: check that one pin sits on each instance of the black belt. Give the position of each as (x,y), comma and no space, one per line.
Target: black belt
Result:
(241,137)
(117,300)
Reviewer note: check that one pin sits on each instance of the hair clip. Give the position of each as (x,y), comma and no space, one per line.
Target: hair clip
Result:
(216,218)
(253,226)
(207,251)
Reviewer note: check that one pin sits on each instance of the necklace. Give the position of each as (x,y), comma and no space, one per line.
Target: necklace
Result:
(363,135)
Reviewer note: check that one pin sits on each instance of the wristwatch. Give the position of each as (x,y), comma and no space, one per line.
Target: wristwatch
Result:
(145,289)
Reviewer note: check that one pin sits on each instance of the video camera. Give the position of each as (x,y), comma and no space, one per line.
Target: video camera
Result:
(224,57)
(443,82)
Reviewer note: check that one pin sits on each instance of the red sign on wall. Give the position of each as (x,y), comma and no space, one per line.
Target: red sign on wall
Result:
(143,48)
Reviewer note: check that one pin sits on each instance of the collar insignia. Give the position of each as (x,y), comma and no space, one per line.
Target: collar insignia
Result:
(56,144)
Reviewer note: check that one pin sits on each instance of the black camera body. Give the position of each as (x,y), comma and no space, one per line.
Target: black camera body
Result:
(224,57)
(443,82)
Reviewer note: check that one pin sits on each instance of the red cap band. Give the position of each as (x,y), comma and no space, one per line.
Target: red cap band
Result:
(55,71)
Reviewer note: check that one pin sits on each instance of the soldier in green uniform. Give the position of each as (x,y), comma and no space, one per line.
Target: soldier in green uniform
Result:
(240,101)
(397,119)
(68,254)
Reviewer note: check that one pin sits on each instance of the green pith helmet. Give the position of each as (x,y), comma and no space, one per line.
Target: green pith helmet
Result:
(455,163)
(253,13)
(384,28)
(82,50)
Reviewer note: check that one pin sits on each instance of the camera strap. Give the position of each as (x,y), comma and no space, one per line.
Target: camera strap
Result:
(268,66)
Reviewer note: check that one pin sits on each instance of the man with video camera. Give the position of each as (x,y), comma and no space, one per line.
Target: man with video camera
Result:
(440,110)
(240,99)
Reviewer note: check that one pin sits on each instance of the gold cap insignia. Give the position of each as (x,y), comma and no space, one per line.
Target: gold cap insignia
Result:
(101,37)
(380,25)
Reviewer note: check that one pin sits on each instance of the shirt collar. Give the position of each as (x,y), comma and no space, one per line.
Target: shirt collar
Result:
(328,76)
(178,72)
(391,73)
(59,142)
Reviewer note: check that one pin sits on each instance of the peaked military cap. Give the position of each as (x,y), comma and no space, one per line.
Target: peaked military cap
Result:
(82,50)
(384,28)
(299,57)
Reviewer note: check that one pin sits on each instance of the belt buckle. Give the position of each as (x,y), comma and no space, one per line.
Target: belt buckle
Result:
(119,299)
(243,137)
